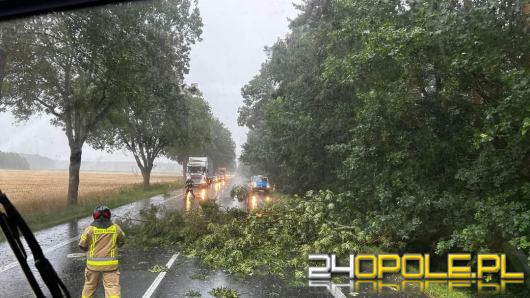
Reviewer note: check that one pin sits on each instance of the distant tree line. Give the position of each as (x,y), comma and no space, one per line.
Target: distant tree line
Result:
(9,160)
(414,113)
(112,77)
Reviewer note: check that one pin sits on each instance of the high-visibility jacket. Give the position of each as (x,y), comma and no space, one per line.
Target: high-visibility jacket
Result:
(102,247)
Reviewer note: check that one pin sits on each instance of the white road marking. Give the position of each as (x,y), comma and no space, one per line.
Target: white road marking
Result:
(336,292)
(333,289)
(151,290)
(59,245)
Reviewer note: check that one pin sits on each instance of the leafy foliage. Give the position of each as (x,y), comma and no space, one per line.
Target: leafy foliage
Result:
(154,114)
(123,62)
(224,292)
(158,268)
(414,112)
(221,148)
(239,192)
(113,76)
(63,65)
(202,134)
(274,239)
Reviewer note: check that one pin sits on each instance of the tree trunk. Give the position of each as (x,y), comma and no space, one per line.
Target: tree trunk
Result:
(145,165)
(73,174)
(184,169)
(146,174)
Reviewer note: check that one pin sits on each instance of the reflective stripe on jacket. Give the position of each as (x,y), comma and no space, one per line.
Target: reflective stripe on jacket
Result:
(102,245)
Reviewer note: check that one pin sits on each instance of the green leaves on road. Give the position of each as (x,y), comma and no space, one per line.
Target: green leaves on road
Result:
(239,192)
(274,239)
(224,292)
(158,268)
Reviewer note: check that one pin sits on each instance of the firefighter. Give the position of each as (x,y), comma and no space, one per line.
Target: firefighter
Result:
(101,241)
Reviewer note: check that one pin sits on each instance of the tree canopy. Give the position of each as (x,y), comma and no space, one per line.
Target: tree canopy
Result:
(154,113)
(83,65)
(221,148)
(415,113)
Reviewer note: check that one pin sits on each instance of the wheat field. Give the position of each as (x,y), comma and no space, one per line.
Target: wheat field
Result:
(37,191)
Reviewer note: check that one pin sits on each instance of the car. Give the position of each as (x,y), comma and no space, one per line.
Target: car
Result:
(259,183)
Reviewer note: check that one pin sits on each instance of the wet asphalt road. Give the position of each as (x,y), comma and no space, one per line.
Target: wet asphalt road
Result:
(186,274)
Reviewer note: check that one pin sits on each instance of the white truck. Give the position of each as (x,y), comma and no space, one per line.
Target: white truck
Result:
(199,170)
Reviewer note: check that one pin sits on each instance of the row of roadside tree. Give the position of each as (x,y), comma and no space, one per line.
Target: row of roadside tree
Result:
(416,114)
(112,77)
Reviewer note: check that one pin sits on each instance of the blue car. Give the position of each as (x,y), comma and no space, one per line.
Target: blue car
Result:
(259,184)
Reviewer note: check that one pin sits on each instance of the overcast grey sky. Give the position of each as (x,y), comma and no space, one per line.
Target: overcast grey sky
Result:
(230,54)
(232,50)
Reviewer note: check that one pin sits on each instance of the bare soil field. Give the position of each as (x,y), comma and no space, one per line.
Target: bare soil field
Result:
(38,191)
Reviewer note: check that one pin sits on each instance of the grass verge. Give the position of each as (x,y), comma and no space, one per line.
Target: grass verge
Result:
(113,199)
